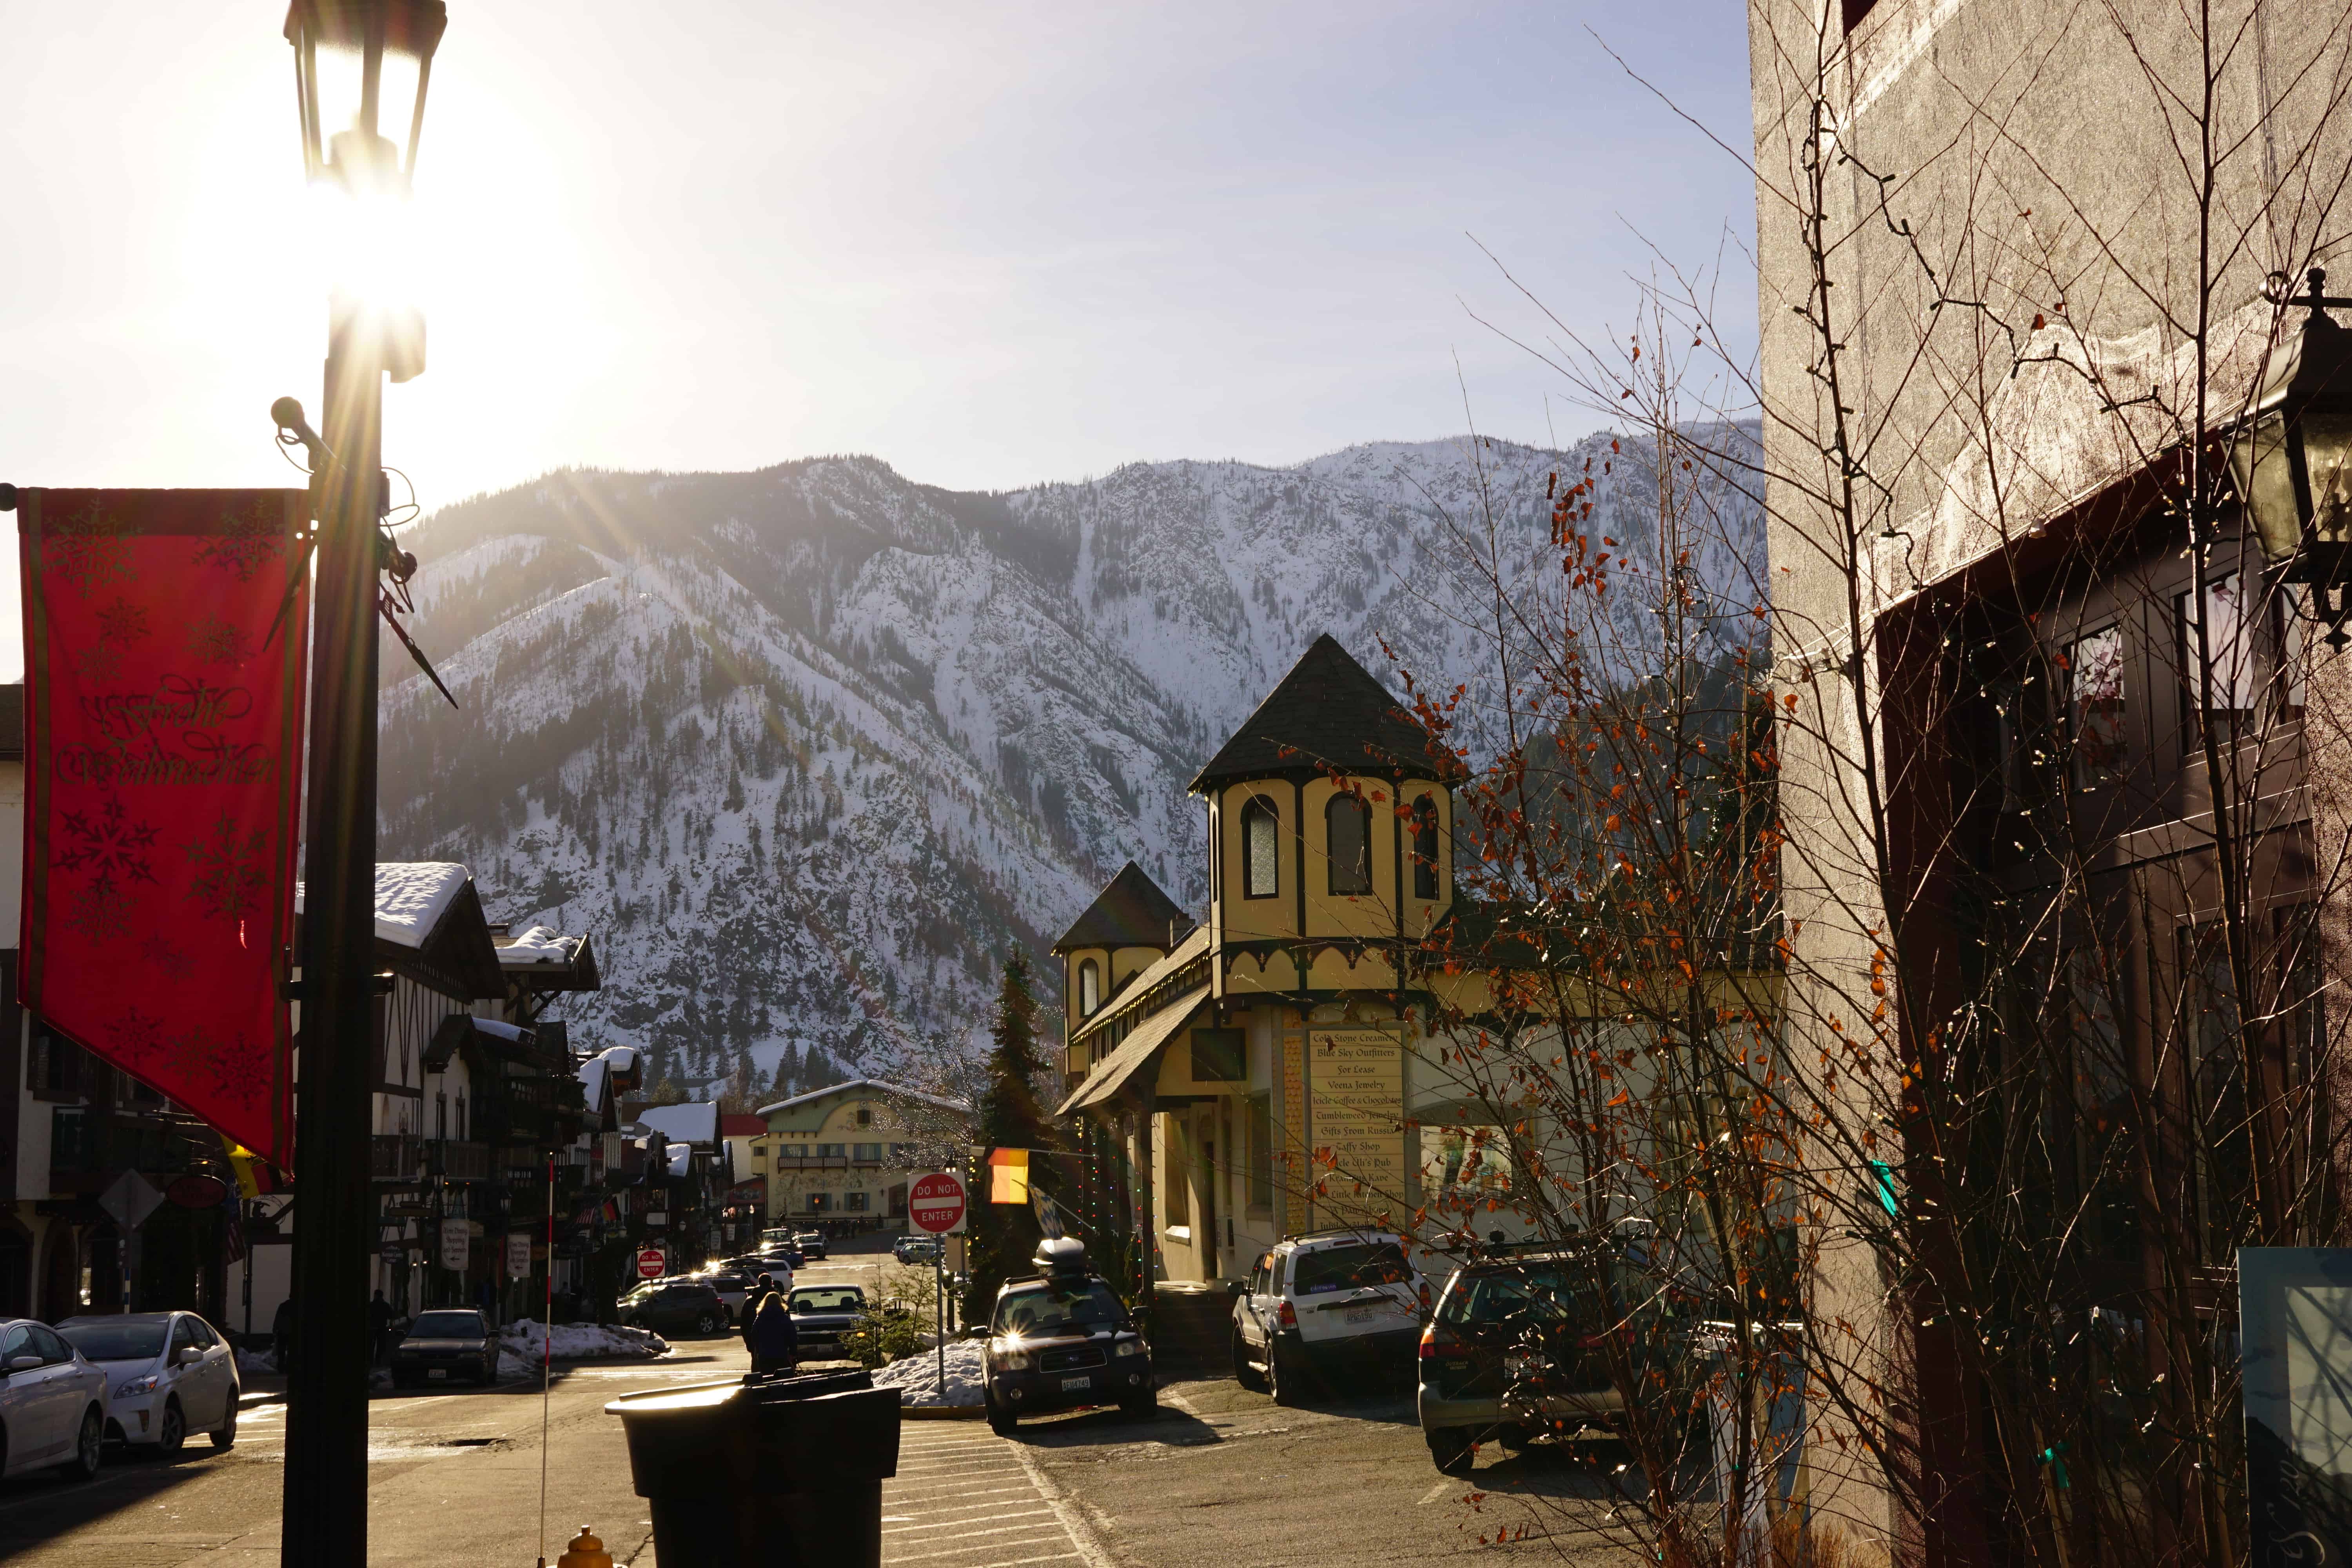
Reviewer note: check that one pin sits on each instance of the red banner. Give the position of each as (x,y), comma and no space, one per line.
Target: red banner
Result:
(162,753)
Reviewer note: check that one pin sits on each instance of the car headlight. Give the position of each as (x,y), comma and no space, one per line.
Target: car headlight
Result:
(1128,1347)
(135,1386)
(1015,1361)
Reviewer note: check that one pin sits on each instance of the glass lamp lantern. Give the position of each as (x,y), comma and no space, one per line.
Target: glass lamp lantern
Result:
(2293,462)
(361,68)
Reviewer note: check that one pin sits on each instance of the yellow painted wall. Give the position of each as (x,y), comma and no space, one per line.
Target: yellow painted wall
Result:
(1387,908)
(1070,962)
(1244,918)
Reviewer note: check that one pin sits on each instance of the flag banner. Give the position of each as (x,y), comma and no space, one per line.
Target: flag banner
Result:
(162,749)
(1008,1175)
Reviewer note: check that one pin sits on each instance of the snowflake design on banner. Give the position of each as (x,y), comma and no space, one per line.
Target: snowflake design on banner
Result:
(87,551)
(98,663)
(107,842)
(122,623)
(99,911)
(250,541)
(230,876)
(175,963)
(137,1034)
(216,641)
(232,1069)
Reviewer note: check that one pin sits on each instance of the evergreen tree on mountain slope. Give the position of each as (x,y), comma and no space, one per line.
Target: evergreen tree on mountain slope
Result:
(1005,1236)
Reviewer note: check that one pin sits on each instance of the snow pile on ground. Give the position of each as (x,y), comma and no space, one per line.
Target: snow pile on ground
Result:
(916,1377)
(578,1342)
(250,1361)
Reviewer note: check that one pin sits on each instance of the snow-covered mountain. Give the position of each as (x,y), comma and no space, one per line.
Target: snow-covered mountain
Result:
(810,750)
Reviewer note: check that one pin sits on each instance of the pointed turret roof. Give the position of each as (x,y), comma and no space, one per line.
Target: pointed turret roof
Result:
(1131,912)
(1327,713)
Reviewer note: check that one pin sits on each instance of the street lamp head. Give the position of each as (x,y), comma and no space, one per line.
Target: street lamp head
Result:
(361,68)
(2293,462)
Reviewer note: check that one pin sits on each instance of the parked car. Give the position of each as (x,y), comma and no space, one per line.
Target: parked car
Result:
(1061,1340)
(675,1306)
(53,1403)
(732,1285)
(917,1249)
(822,1314)
(1522,1343)
(168,1374)
(811,1245)
(1319,1300)
(444,1345)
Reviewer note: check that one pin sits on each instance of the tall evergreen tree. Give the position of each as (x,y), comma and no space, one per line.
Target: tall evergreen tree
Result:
(1003,1237)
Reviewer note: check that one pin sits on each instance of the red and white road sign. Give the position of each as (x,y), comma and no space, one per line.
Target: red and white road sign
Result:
(936,1203)
(651,1264)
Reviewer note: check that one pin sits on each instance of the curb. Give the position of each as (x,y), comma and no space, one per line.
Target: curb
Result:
(941,1411)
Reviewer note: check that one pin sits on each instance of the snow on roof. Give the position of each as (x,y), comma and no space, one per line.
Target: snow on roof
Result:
(877,1085)
(697,1121)
(503,1031)
(593,1073)
(411,896)
(539,945)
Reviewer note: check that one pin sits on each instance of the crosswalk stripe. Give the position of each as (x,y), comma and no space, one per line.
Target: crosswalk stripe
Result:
(959,1524)
(959,1551)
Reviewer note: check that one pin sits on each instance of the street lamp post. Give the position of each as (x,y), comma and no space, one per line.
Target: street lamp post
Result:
(2291,462)
(360,70)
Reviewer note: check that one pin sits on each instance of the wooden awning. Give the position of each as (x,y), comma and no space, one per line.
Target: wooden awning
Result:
(1112,1073)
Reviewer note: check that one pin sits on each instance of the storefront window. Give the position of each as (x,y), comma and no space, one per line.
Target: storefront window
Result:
(2095,698)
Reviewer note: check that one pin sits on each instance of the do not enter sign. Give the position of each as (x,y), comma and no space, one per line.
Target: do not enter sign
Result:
(651,1264)
(936,1203)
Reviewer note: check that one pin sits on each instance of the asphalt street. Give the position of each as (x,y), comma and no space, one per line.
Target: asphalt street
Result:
(1219,1479)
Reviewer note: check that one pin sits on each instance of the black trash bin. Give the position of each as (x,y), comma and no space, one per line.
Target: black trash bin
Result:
(775,1471)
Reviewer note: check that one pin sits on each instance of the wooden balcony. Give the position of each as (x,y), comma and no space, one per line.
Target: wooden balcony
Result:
(458,1160)
(394,1157)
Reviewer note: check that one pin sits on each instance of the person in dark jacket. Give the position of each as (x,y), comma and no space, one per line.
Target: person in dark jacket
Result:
(281,1334)
(775,1343)
(379,1316)
(759,1291)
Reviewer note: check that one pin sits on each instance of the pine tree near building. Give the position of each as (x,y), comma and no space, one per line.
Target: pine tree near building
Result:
(1004,1235)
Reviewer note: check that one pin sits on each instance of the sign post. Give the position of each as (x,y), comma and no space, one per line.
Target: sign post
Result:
(651,1264)
(937,1204)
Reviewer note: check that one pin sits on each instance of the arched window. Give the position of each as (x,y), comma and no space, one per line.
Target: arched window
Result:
(1090,987)
(1261,849)
(1348,829)
(1425,847)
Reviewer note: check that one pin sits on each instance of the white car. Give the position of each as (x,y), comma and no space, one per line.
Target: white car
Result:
(169,1374)
(53,1403)
(1318,1301)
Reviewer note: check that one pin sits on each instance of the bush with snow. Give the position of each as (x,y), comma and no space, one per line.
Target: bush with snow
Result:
(526,1340)
(916,1377)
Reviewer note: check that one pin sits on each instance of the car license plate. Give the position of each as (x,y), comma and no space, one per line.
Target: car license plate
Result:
(436,1372)
(1522,1366)
(1357,1315)
(1071,1385)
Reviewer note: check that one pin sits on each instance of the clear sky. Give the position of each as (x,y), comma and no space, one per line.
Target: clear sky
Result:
(991,244)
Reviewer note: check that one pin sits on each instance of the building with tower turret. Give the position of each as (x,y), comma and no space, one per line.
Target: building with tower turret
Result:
(1262,1073)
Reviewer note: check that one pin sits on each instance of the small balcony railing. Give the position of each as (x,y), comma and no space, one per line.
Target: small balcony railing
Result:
(395,1156)
(458,1160)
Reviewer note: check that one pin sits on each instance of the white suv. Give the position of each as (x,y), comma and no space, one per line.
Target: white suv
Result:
(1328,1298)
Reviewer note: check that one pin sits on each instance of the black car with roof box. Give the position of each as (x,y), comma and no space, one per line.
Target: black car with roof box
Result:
(1060,1340)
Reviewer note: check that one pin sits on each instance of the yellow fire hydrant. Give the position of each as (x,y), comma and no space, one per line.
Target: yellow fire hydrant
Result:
(585,1551)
